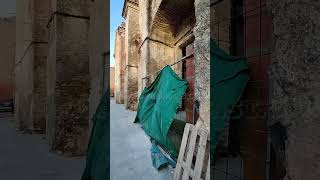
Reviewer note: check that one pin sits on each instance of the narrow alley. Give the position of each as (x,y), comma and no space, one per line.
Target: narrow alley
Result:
(27,157)
(130,148)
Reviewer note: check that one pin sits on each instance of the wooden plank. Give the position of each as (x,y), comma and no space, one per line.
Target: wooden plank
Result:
(188,146)
(182,151)
(190,152)
(200,155)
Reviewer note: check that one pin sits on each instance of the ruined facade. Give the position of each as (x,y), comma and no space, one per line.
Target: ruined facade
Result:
(112,81)
(30,65)
(68,77)
(176,33)
(131,14)
(120,64)
(7,54)
(62,69)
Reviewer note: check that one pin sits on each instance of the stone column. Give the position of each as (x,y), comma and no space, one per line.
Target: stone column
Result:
(40,36)
(120,64)
(202,60)
(68,77)
(30,65)
(131,14)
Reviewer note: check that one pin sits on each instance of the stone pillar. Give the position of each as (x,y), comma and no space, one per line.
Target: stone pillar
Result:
(120,64)
(40,36)
(30,65)
(295,84)
(144,47)
(202,60)
(112,81)
(131,14)
(68,77)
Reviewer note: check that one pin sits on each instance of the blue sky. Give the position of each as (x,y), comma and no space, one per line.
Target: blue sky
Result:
(115,21)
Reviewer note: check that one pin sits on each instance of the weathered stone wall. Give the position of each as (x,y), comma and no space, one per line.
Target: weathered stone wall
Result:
(51,78)
(202,60)
(120,63)
(295,87)
(144,47)
(164,29)
(160,56)
(23,74)
(98,48)
(69,83)
(112,73)
(131,14)
(30,66)
(40,35)
(7,54)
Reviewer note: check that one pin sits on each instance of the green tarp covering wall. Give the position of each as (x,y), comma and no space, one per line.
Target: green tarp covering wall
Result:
(229,76)
(97,166)
(158,105)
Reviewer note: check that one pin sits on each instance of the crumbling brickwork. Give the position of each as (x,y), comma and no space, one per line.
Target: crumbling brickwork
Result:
(120,64)
(131,14)
(30,65)
(161,36)
(111,81)
(40,34)
(295,87)
(68,78)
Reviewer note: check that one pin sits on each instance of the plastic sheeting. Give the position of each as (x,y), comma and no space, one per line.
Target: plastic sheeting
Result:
(158,105)
(229,76)
(97,165)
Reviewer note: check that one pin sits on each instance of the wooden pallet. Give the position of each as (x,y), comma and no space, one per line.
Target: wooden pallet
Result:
(186,168)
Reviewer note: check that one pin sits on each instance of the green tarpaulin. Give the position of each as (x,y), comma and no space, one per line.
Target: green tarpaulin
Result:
(97,166)
(158,105)
(229,76)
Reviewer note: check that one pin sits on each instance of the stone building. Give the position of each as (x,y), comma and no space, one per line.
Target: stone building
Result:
(7,55)
(30,65)
(61,74)
(120,61)
(112,81)
(276,131)
(166,32)
(68,76)
(131,14)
